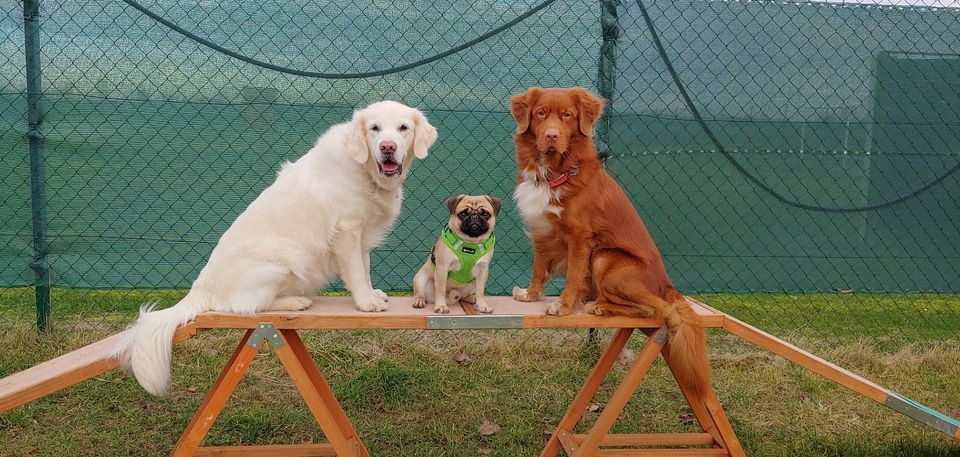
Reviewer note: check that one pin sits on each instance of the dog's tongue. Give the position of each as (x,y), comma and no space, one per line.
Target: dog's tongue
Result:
(390,167)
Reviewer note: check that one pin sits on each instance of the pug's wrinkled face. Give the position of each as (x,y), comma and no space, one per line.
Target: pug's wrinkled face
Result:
(472,217)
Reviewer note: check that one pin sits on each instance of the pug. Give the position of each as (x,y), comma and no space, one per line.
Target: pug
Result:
(459,264)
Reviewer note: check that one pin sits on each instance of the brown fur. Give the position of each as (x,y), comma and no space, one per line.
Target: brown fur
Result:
(598,241)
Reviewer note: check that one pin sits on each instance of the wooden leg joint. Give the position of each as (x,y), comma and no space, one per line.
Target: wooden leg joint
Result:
(306,376)
(717,438)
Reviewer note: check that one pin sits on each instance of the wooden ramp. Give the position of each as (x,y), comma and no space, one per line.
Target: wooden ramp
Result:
(68,369)
(280,329)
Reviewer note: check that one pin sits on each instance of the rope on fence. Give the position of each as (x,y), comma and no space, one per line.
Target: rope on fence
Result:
(746,173)
(323,75)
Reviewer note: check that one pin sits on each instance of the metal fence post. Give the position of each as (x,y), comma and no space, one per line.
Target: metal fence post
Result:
(31,38)
(606,69)
(606,83)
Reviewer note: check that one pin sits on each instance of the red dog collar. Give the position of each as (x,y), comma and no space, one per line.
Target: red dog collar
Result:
(559,180)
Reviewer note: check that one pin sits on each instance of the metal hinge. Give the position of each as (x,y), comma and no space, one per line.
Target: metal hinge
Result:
(440,322)
(265,331)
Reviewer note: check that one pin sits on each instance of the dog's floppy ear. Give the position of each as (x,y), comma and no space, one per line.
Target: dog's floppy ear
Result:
(590,107)
(521,105)
(424,135)
(356,139)
(452,202)
(496,203)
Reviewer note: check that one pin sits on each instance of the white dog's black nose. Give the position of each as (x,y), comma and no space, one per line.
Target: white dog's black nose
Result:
(388,147)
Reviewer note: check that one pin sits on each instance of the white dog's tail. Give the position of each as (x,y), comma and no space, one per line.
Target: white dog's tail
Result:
(148,345)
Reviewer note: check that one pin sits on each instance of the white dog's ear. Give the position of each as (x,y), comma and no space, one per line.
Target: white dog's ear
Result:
(424,135)
(356,139)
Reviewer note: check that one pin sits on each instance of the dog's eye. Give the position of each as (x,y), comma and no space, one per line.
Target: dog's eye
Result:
(567,115)
(463,215)
(403,128)
(485,215)
(375,128)
(541,113)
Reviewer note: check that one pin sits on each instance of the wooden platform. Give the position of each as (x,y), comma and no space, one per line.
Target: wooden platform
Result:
(340,313)
(280,329)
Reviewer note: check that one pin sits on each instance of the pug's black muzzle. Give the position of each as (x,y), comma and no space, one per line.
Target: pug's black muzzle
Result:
(474,226)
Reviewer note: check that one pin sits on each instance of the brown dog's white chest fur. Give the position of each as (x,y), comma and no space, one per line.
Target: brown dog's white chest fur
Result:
(536,200)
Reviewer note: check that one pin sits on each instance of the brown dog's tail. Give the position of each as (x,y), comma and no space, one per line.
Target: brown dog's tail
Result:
(688,349)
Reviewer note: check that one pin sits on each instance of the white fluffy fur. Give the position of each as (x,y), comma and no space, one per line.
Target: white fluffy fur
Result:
(535,199)
(319,219)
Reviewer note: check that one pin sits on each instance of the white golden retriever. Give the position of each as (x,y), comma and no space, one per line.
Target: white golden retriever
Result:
(319,219)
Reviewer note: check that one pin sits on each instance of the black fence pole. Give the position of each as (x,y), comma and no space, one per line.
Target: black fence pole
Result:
(31,38)
(607,70)
(606,83)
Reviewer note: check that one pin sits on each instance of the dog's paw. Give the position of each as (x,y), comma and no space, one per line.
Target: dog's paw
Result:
(521,294)
(556,308)
(291,303)
(381,294)
(419,302)
(483,307)
(441,308)
(370,304)
(591,307)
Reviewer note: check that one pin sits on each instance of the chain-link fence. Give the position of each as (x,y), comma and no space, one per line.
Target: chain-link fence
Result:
(795,161)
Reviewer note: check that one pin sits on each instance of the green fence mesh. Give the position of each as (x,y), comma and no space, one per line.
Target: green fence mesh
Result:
(771,146)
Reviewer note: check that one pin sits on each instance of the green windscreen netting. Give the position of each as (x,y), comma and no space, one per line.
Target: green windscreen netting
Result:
(835,129)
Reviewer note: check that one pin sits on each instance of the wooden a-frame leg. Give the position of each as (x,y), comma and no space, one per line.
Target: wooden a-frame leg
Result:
(631,380)
(730,440)
(319,397)
(216,398)
(589,389)
(710,415)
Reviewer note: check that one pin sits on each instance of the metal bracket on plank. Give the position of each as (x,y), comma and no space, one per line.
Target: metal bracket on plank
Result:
(926,415)
(265,331)
(444,322)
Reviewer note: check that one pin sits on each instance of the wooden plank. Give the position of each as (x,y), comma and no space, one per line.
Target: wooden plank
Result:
(654,439)
(590,387)
(662,452)
(344,445)
(277,450)
(216,398)
(628,385)
(340,313)
(323,391)
(569,444)
(68,369)
(807,360)
(696,405)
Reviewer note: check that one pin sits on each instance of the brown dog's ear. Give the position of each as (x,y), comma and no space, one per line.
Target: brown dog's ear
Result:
(496,203)
(590,107)
(521,105)
(452,202)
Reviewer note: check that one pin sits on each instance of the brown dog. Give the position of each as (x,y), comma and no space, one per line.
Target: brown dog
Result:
(459,265)
(584,227)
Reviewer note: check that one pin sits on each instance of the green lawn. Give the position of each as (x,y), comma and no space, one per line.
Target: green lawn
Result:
(409,397)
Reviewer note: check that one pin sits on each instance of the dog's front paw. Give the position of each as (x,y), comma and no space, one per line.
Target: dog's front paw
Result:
(483,307)
(419,302)
(370,303)
(521,294)
(381,294)
(441,308)
(557,308)
(591,307)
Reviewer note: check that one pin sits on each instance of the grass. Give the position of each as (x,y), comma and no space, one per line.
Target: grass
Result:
(409,397)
